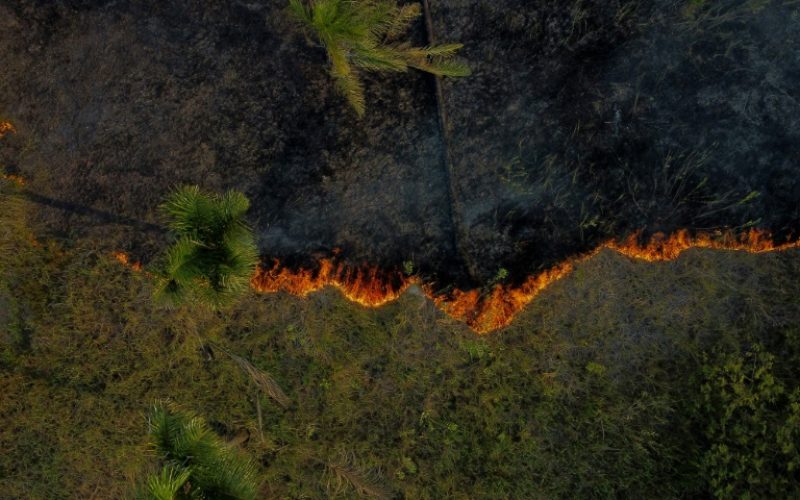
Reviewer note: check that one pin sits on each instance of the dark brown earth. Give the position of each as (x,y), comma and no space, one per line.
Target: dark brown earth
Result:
(583,120)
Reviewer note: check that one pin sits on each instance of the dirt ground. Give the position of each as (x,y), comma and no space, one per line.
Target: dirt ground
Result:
(583,120)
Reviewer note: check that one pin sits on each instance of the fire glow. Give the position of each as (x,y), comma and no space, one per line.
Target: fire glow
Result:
(487,312)
(125,260)
(8,128)
(5,128)
(483,312)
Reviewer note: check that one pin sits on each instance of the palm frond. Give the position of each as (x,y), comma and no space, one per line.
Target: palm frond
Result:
(402,20)
(193,455)
(167,484)
(357,33)
(337,21)
(343,473)
(377,16)
(301,12)
(379,59)
(215,253)
(227,476)
(181,260)
(189,211)
(347,81)
(195,441)
(174,283)
(262,379)
(234,205)
(164,427)
(446,50)
(441,67)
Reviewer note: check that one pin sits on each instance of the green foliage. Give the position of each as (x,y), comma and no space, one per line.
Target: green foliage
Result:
(362,35)
(594,391)
(195,462)
(214,256)
(751,424)
(166,485)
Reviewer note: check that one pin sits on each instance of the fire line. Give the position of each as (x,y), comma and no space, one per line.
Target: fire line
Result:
(483,312)
(486,313)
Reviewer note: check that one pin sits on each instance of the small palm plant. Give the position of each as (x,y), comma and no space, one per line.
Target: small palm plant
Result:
(195,462)
(215,254)
(362,35)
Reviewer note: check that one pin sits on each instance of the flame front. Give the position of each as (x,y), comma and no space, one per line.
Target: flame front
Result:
(483,312)
(488,312)
(369,288)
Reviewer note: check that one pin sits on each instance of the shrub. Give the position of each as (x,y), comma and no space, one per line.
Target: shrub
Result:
(215,254)
(362,35)
(195,463)
(751,426)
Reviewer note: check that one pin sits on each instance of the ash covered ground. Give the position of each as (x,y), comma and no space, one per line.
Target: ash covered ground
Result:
(583,120)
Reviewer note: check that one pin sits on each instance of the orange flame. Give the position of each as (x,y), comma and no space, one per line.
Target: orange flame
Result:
(369,288)
(19,181)
(125,260)
(6,127)
(485,313)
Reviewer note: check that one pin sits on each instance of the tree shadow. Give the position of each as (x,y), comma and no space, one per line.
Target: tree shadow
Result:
(102,215)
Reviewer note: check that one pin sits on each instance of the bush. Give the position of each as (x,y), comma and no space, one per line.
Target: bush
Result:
(752,427)
(195,463)
(215,254)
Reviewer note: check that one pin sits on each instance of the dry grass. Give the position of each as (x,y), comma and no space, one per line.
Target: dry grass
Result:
(262,379)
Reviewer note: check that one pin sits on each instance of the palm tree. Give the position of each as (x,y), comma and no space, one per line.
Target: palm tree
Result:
(362,34)
(214,255)
(195,462)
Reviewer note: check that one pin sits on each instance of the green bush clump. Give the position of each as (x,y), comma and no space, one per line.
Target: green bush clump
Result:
(215,254)
(752,427)
(194,461)
(363,35)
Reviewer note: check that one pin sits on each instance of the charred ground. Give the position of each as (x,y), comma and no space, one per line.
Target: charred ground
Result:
(583,120)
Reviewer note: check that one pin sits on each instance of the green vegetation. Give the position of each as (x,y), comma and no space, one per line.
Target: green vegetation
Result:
(214,256)
(363,35)
(194,462)
(752,426)
(679,378)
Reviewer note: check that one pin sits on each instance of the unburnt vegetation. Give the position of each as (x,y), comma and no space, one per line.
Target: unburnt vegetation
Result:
(195,463)
(625,379)
(363,35)
(214,253)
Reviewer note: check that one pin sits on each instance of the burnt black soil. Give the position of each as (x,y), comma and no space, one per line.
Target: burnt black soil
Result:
(583,120)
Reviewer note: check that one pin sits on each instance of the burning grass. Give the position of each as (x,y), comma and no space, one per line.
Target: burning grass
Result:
(587,393)
(487,312)
(6,127)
